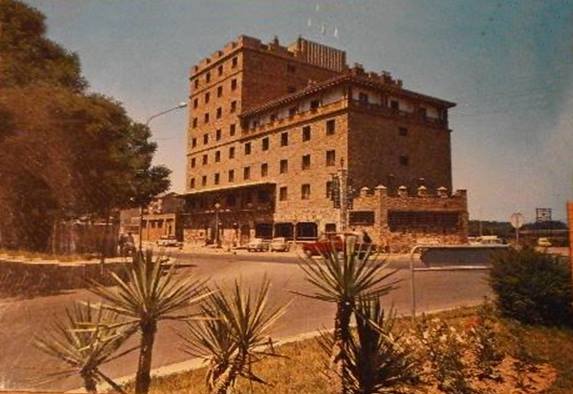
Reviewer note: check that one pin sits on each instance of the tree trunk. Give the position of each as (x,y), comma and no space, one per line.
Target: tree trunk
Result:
(339,361)
(140,227)
(89,383)
(142,378)
(104,242)
(225,380)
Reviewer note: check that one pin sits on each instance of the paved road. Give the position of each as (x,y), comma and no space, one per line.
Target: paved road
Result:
(21,320)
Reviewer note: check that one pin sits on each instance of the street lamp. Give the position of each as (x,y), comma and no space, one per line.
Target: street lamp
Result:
(181,105)
(217,239)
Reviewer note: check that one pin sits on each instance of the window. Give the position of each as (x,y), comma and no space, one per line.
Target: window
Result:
(291,89)
(292,111)
(233,106)
(217,156)
(192,183)
(219,91)
(404,160)
(234,62)
(231,200)
(220,70)
(273,117)
(330,158)
(205,139)
(205,159)
(305,162)
(263,196)
(193,162)
(264,169)
(329,185)
(423,113)
(207,97)
(363,97)
(232,129)
(195,103)
(194,122)
(247,173)
(233,84)
(219,113)
(330,126)
(232,152)
(314,104)
(265,143)
(216,179)
(305,191)
(218,134)
(248,148)
(231,175)
(208,77)
(394,105)
(403,131)
(291,68)
(194,142)
(283,166)
(283,193)
(306,133)
(204,180)
(284,139)
(196,83)
(206,117)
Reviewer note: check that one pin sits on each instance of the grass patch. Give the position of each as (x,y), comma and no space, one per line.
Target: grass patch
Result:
(301,370)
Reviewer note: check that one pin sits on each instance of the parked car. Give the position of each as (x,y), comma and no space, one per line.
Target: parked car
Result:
(334,240)
(279,244)
(489,240)
(258,245)
(169,241)
(543,242)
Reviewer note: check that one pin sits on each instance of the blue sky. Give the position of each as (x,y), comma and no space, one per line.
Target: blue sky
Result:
(508,64)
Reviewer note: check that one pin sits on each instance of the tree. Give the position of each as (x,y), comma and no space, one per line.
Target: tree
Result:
(148,296)
(64,152)
(343,279)
(235,327)
(88,338)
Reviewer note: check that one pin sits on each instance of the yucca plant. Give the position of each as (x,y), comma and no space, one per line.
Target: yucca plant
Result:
(150,293)
(379,360)
(88,338)
(342,278)
(233,334)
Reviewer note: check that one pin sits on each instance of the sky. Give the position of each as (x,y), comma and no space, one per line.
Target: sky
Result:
(508,65)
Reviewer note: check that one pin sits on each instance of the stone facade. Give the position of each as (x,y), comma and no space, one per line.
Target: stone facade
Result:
(399,221)
(269,125)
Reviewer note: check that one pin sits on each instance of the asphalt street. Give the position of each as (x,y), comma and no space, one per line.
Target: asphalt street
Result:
(23,319)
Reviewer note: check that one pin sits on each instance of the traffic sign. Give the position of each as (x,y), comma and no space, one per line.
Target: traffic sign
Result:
(516,220)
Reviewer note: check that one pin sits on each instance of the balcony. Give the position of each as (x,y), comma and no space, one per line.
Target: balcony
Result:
(392,112)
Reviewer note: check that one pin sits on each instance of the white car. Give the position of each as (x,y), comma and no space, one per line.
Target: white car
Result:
(543,242)
(258,245)
(168,240)
(279,244)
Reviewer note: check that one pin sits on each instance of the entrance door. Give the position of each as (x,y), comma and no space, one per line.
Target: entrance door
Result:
(245,234)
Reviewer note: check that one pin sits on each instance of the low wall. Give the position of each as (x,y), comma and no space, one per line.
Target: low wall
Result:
(34,278)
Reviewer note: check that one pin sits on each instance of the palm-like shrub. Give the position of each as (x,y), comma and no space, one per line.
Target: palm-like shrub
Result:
(150,294)
(532,287)
(342,278)
(379,360)
(232,334)
(88,338)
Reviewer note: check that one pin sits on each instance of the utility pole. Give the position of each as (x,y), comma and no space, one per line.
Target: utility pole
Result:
(343,190)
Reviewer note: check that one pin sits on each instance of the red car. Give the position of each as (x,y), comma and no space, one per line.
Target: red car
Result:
(323,245)
(329,241)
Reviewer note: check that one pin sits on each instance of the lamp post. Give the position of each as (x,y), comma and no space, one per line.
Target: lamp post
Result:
(181,105)
(217,239)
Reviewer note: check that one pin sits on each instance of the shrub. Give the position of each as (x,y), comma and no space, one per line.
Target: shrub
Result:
(444,347)
(532,287)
